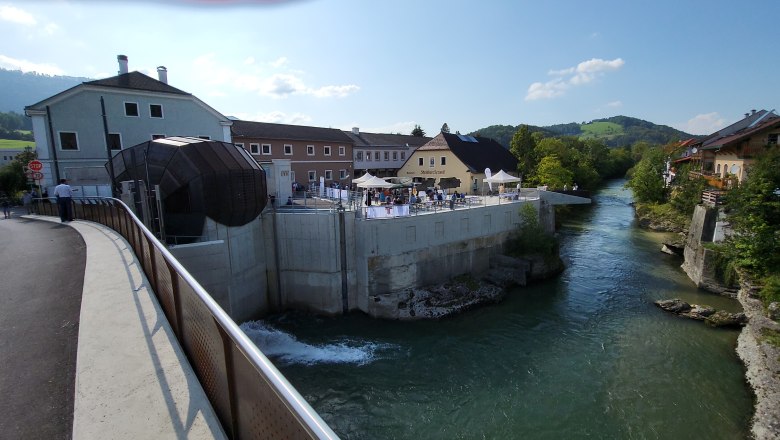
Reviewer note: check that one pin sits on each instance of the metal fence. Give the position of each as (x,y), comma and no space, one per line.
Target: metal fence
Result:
(249,395)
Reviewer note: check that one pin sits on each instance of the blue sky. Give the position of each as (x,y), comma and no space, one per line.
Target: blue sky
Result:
(385,66)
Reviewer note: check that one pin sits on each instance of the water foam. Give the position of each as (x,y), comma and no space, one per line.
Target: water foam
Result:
(286,348)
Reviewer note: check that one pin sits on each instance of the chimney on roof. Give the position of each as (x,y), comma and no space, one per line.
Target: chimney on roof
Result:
(122,59)
(162,74)
(356,130)
(753,111)
(747,115)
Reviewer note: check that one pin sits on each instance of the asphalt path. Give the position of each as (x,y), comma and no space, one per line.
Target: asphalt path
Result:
(41,281)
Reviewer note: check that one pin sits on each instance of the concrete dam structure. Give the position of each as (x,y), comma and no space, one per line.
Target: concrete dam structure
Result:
(330,262)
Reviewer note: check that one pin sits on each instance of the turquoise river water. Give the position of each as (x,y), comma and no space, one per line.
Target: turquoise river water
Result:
(586,355)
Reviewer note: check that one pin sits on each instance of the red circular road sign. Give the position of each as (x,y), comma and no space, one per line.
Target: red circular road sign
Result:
(37,176)
(35,165)
(29,174)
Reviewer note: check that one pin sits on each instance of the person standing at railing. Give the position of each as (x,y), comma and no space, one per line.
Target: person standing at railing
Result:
(64,195)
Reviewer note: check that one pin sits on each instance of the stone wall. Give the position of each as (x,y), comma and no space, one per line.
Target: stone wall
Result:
(699,261)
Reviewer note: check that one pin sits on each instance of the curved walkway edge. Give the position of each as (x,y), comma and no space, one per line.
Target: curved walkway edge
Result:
(133,380)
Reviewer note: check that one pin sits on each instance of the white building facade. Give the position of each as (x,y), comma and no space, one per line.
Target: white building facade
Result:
(77,130)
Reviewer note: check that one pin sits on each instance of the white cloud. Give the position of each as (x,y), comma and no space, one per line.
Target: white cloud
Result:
(583,73)
(249,60)
(705,123)
(282,61)
(404,127)
(615,104)
(276,117)
(29,66)
(16,15)
(335,91)
(251,78)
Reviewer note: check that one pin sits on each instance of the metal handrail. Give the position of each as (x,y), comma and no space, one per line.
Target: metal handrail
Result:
(269,385)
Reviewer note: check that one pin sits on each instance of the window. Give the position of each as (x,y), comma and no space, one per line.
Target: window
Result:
(387,155)
(310,150)
(342,150)
(254,148)
(326,150)
(69,140)
(328,174)
(772,139)
(432,162)
(312,176)
(420,161)
(155,111)
(403,155)
(358,155)
(114,141)
(288,150)
(266,149)
(444,160)
(368,156)
(131,109)
(395,155)
(376,156)
(718,171)
(342,174)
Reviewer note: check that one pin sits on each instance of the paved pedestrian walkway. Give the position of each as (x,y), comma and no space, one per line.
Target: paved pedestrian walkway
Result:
(89,352)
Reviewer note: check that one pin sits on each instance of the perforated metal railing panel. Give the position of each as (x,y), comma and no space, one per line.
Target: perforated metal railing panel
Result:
(250,397)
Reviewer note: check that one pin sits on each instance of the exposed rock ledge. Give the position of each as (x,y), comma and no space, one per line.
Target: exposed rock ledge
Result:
(762,363)
(465,292)
(712,317)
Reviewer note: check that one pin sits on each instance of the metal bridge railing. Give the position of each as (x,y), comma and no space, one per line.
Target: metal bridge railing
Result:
(249,395)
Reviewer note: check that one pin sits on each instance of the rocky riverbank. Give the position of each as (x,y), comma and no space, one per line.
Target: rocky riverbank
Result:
(710,316)
(758,346)
(465,292)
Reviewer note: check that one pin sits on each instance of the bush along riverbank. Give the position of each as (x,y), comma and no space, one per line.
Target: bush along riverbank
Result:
(530,254)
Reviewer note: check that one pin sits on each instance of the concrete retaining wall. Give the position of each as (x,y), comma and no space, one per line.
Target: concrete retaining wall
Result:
(304,260)
(699,265)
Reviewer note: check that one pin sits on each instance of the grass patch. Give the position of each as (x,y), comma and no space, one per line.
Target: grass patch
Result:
(600,130)
(9,144)
(771,337)
(662,213)
(771,291)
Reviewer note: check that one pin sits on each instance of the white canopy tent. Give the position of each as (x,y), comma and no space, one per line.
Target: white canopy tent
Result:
(375,182)
(502,177)
(362,178)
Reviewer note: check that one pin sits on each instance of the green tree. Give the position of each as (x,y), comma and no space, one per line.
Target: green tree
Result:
(647,180)
(12,178)
(686,191)
(531,238)
(417,131)
(552,173)
(523,146)
(754,214)
(445,128)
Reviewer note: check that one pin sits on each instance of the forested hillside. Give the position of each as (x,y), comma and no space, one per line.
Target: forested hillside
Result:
(617,131)
(18,89)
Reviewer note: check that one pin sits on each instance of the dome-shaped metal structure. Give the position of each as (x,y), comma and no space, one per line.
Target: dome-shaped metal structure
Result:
(198,178)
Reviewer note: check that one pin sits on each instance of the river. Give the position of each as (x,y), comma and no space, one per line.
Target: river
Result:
(586,355)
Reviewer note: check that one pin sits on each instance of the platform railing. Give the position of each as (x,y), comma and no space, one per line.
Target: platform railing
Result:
(249,395)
